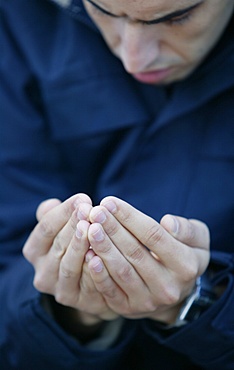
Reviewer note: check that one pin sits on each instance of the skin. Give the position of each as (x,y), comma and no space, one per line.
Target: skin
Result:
(139,282)
(119,275)
(180,43)
(57,248)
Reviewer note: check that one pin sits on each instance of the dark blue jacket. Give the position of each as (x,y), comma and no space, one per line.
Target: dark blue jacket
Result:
(73,121)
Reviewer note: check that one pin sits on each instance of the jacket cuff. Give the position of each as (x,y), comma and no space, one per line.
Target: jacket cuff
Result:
(207,341)
(45,340)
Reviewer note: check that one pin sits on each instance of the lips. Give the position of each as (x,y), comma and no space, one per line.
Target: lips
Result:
(153,77)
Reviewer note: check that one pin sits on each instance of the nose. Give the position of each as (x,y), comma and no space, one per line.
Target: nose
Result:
(138,49)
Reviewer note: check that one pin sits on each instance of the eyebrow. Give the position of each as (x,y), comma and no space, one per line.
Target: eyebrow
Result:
(165,18)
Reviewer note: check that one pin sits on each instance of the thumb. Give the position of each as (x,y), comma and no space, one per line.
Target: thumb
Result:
(188,231)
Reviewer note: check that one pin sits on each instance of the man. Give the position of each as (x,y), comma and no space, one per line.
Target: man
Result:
(130,103)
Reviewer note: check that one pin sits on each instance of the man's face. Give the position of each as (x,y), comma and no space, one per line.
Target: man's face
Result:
(160,41)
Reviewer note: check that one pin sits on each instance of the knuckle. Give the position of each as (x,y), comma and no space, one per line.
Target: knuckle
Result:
(109,293)
(60,297)
(137,255)
(102,247)
(154,235)
(64,298)
(125,273)
(149,306)
(125,216)
(203,230)
(66,272)
(75,248)
(73,220)
(112,229)
(67,208)
(106,287)
(58,247)
(28,252)
(190,271)
(171,295)
(84,287)
(191,235)
(41,284)
(45,228)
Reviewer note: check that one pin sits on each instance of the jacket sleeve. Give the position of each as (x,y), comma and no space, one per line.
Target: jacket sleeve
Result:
(207,341)
(30,171)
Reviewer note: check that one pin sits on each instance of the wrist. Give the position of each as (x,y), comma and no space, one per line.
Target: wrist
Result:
(201,298)
(84,327)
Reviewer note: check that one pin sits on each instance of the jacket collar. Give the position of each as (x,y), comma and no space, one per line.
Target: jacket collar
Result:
(75,9)
(214,76)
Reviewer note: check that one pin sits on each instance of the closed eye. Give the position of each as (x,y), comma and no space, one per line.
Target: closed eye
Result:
(100,10)
(181,20)
(177,17)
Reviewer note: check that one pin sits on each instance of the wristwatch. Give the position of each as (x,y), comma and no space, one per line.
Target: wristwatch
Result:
(201,298)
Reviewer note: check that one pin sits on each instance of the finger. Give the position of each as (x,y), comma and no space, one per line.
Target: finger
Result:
(145,229)
(161,287)
(173,254)
(83,211)
(123,273)
(117,265)
(71,266)
(129,246)
(117,300)
(58,272)
(46,206)
(42,237)
(89,255)
(64,237)
(105,285)
(188,231)
(90,294)
(47,266)
(151,278)
(192,233)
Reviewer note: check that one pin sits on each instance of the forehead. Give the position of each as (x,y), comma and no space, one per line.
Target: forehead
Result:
(144,7)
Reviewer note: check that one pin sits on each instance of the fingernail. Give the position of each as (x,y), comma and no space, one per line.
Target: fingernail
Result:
(100,217)
(110,205)
(81,215)
(98,267)
(174,225)
(89,255)
(78,232)
(98,235)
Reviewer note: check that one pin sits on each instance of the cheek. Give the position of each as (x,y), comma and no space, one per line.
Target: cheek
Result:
(192,46)
(112,38)
(109,29)
(199,48)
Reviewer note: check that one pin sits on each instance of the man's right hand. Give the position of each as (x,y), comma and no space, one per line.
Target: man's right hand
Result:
(58,248)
